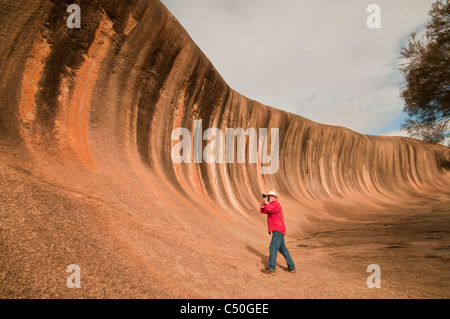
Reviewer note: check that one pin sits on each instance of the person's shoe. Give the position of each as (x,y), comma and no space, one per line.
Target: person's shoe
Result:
(269,271)
(292,271)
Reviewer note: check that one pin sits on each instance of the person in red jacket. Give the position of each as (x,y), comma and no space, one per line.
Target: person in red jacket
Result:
(277,228)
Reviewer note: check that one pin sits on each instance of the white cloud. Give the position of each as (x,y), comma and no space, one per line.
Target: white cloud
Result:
(317,59)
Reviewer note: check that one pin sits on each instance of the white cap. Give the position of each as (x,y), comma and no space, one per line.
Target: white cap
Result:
(272,193)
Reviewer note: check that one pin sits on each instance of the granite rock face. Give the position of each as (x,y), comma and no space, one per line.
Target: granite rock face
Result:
(87,117)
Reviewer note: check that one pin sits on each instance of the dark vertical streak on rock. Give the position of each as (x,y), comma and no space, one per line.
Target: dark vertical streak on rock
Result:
(157,68)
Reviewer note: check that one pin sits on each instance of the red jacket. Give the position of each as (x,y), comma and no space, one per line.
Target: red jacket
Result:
(275,218)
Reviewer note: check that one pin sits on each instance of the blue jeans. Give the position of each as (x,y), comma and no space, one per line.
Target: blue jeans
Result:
(277,244)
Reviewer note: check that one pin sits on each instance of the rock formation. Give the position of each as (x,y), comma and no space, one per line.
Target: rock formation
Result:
(86,118)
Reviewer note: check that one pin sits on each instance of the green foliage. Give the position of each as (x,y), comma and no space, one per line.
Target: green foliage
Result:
(426,67)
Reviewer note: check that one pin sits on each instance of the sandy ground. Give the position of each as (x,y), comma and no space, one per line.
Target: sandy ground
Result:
(44,228)
(410,247)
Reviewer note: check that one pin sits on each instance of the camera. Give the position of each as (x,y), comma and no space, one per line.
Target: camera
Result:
(264,195)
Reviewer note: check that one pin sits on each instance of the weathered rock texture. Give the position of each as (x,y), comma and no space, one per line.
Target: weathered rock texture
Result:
(86,117)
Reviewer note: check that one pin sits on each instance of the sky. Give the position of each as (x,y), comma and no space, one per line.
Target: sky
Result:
(317,59)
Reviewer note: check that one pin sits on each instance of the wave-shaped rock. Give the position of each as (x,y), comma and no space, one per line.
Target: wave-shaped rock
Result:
(89,113)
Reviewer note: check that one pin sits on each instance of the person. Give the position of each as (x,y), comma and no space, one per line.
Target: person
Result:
(277,228)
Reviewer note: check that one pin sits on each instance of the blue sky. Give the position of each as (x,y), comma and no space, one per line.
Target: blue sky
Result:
(317,59)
